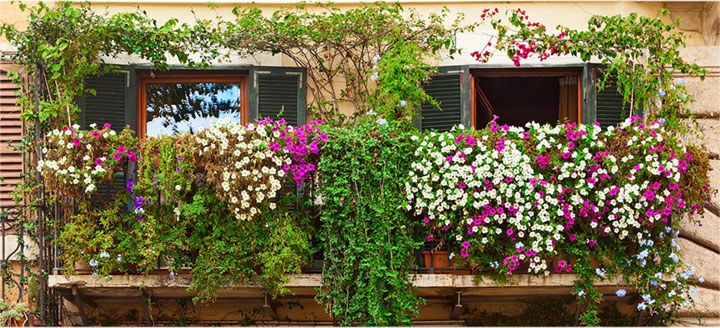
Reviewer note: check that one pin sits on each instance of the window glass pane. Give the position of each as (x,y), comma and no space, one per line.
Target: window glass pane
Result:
(184,107)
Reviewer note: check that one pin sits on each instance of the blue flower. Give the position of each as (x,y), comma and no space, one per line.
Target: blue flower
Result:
(371,113)
(620,293)
(662,121)
(600,272)
(654,282)
(382,121)
(104,255)
(374,77)
(93,263)
(641,306)
(452,254)
(119,258)
(701,280)
(671,293)
(694,291)
(661,93)
(643,254)
(674,257)
(580,293)
(403,103)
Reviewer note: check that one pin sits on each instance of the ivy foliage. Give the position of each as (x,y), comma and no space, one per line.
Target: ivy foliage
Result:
(367,238)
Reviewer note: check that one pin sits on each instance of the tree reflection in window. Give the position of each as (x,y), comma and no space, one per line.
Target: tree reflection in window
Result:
(184,107)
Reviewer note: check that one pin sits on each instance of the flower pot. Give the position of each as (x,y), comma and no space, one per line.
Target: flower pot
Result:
(19,322)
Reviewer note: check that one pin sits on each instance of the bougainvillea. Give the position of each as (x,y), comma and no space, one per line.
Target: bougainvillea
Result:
(77,161)
(527,199)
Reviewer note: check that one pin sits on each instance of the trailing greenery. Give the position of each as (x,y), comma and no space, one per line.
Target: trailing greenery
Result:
(367,238)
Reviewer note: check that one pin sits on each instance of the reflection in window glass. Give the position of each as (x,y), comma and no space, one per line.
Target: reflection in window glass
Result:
(184,107)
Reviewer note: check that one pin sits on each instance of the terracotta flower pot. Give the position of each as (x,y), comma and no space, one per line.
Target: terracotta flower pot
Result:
(440,262)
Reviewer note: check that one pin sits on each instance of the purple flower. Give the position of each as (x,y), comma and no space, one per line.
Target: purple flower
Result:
(620,293)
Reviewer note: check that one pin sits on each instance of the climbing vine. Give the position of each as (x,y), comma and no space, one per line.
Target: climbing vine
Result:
(643,53)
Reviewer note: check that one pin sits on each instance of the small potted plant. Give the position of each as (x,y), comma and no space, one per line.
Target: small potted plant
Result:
(13,314)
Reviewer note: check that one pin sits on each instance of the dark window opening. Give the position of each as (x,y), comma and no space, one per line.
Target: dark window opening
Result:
(521,97)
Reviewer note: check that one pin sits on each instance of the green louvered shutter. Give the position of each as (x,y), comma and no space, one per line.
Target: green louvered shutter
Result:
(279,92)
(450,88)
(112,103)
(609,107)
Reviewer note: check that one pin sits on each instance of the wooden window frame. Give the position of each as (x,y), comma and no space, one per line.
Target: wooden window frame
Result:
(144,78)
(528,72)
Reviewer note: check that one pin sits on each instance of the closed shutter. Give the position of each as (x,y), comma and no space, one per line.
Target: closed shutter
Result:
(609,107)
(11,129)
(279,92)
(110,104)
(449,88)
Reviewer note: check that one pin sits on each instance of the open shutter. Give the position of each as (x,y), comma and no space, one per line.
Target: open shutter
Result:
(112,103)
(11,129)
(450,87)
(608,103)
(278,92)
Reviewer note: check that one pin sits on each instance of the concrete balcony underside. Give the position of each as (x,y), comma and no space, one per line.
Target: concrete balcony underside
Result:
(305,285)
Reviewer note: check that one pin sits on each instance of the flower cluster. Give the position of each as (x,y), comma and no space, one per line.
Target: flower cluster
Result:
(246,165)
(76,161)
(521,196)
(300,144)
(242,164)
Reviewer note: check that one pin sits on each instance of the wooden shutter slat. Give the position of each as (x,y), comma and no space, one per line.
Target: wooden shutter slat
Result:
(276,93)
(609,107)
(11,129)
(446,90)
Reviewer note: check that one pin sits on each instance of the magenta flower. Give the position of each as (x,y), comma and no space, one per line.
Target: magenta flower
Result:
(107,125)
(77,142)
(95,134)
(116,157)
(509,232)
(464,253)
(426,219)
(466,244)
(121,149)
(99,162)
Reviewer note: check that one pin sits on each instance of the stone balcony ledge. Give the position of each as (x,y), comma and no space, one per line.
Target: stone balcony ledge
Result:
(429,285)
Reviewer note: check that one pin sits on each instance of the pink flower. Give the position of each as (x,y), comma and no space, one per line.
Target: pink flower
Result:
(466,244)
(573,237)
(99,162)
(426,219)
(116,157)
(509,232)
(562,263)
(121,149)
(107,125)
(464,253)
(77,142)
(95,134)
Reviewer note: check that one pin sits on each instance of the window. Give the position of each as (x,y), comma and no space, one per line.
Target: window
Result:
(519,96)
(177,102)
